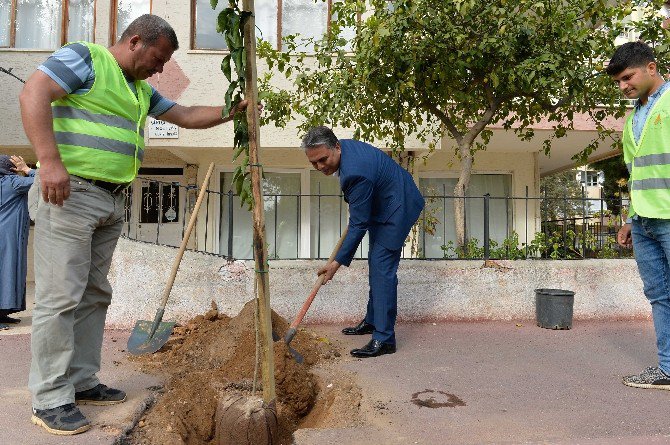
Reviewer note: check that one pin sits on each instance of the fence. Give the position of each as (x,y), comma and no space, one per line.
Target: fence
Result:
(308,225)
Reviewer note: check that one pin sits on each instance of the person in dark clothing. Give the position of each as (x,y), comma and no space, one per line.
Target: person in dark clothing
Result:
(14,228)
(383,201)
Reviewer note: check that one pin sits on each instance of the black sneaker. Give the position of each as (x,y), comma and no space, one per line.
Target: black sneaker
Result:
(64,420)
(652,377)
(100,395)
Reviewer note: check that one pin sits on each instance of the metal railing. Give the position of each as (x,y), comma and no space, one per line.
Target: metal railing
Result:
(308,225)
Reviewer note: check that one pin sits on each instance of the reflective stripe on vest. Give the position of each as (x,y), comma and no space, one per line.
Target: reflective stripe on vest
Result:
(655,159)
(100,134)
(60,112)
(97,142)
(648,162)
(650,184)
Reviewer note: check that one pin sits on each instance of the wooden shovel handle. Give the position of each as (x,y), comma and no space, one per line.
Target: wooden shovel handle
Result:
(318,284)
(187,235)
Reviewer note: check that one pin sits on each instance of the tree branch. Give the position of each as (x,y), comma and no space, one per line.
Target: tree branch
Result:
(479,126)
(444,118)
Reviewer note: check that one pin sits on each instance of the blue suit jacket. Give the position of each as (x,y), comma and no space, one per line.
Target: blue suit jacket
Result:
(383,198)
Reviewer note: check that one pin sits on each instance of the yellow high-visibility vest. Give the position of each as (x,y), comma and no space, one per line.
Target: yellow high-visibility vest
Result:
(648,162)
(100,134)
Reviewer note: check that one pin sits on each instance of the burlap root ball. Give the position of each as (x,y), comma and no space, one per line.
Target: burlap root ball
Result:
(245,420)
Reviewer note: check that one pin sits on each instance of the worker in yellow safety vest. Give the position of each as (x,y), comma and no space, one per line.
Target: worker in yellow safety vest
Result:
(84,111)
(646,144)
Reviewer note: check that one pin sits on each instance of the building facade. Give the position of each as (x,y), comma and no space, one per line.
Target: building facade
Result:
(304,214)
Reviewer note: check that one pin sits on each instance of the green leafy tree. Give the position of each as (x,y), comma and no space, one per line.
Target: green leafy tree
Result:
(616,181)
(426,68)
(562,196)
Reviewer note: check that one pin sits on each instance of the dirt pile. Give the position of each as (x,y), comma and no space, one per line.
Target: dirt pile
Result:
(213,356)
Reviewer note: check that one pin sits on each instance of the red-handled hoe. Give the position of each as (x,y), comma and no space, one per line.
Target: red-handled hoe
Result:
(293,329)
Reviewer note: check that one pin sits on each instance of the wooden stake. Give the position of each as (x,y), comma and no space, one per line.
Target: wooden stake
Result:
(260,249)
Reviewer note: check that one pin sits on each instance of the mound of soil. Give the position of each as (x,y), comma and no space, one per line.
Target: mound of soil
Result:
(213,356)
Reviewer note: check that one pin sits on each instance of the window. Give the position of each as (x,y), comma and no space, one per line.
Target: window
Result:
(124,12)
(590,178)
(5,22)
(328,215)
(281,193)
(439,209)
(297,224)
(80,23)
(306,18)
(274,18)
(45,24)
(206,37)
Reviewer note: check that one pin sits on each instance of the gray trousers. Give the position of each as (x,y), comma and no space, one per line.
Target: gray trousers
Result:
(73,252)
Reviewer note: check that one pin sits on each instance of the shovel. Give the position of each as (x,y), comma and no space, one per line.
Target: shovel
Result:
(290,333)
(149,337)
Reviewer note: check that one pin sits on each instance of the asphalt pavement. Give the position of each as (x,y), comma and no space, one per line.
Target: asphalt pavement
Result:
(505,383)
(502,382)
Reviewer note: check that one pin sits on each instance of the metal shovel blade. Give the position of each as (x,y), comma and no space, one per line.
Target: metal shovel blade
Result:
(142,342)
(296,355)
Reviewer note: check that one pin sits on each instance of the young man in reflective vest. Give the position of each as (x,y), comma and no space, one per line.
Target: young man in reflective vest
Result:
(646,146)
(84,112)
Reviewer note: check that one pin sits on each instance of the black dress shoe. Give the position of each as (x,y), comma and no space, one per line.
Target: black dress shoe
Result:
(10,320)
(374,349)
(362,328)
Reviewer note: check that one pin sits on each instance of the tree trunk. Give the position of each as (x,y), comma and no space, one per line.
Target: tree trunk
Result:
(459,193)
(260,247)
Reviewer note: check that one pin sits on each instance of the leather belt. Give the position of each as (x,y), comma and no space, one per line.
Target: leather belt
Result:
(111,187)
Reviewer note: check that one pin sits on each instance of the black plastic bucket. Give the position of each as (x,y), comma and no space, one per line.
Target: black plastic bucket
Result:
(553,308)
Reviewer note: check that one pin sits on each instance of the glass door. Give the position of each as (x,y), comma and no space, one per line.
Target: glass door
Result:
(157,214)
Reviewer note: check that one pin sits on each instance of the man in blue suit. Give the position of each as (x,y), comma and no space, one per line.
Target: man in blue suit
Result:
(383,201)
